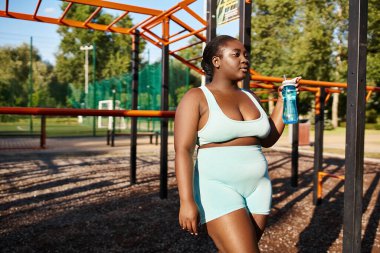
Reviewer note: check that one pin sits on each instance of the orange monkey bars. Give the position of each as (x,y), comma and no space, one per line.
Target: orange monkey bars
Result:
(153,19)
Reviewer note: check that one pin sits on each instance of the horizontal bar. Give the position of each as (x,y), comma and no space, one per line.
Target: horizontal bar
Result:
(324,174)
(308,82)
(173,35)
(194,59)
(92,16)
(187,35)
(195,15)
(64,13)
(118,6)
(85,112)
(68,22)
(182,48)
(117,20)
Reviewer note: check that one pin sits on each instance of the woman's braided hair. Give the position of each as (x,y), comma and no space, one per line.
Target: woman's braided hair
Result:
(213,49)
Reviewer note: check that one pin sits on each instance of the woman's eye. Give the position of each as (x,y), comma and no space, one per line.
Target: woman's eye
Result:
(236,54)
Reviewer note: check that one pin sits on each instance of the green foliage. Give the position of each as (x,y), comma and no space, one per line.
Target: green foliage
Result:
(15,85)
(113,51)
(371,116)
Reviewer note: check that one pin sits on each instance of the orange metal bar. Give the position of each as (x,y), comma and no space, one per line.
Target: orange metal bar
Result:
(327,97)
(154,35)
(193,67)
(261,85)
(68,22)
(36,10)
(195,15)
(65,12)
(151,40)
(173,35)
(141,23)
(165,29)
(182,48)
(318,102)
(253,72)
(92,16)
(309,82)
(187,35)
(194,59)
(268,100)
(321,175)
(86,112)
(332,90)
(118,6)
(315,90)
(368,95)
(117,20)
(179,22)
(157,20)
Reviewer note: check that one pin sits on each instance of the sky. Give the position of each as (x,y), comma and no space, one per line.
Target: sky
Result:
(14,32)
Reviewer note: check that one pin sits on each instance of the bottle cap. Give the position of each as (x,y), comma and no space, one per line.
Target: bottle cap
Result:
(289,82)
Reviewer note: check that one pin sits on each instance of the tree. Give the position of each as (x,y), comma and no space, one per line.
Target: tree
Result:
(113,51)
(14,78)
(273,36)
(373,55)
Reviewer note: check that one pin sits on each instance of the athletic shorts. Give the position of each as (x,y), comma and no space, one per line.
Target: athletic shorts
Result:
(230,178)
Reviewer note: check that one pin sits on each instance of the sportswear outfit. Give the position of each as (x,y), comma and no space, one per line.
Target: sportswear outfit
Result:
(231,177)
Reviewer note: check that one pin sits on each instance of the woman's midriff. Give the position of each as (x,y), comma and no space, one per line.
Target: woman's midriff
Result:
(242,141)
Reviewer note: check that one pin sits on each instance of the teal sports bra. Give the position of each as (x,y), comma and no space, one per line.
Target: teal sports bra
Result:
(220,128)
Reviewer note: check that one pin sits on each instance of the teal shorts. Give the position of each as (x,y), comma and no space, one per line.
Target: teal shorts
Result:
(230,178)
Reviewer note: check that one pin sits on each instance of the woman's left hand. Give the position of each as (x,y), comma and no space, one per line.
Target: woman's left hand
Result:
(296,80)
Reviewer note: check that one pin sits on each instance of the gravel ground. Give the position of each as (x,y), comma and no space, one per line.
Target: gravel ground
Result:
(83,202)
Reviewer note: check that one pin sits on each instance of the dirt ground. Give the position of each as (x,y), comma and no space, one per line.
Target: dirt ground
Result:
(65,200)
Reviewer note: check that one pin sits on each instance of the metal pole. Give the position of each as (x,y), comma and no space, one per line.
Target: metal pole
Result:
(94,84)
(113,118)
(318,140)
(43,132)
(86,48)
(211,19)
(30,102)
(295,137)
(211,25)
(245,11)
(135,87)
(356,90)
(164,121)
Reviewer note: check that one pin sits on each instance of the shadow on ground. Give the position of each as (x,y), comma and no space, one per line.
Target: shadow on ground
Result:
(84,203)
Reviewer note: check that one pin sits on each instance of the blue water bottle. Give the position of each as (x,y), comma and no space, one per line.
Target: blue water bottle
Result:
(289,94)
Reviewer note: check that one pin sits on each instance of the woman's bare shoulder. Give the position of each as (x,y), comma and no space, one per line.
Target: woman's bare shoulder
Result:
(193,95)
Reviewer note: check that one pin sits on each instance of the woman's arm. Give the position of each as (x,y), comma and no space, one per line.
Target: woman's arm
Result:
(275,120)
(276,125)
(185,135)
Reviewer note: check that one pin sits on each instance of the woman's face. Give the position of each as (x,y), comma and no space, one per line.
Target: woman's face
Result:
(234,62)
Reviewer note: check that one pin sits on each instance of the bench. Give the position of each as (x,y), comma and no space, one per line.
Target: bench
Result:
(149,134)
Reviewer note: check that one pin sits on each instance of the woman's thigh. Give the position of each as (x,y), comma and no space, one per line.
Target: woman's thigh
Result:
(259,222)
(234,232)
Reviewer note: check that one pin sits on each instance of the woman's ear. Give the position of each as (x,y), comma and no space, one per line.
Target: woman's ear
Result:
(216,61)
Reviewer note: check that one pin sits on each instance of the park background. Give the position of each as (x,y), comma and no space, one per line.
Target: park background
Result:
(75,195)
(288,37)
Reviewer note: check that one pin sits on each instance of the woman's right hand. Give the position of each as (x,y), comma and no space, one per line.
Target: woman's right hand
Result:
(188,217)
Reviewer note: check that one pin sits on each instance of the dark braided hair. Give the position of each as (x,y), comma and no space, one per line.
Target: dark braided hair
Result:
(213,49)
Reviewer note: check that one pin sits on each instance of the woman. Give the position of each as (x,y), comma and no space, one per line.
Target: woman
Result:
(228,189)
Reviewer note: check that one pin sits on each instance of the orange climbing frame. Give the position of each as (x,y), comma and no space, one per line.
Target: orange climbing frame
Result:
(153,19)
